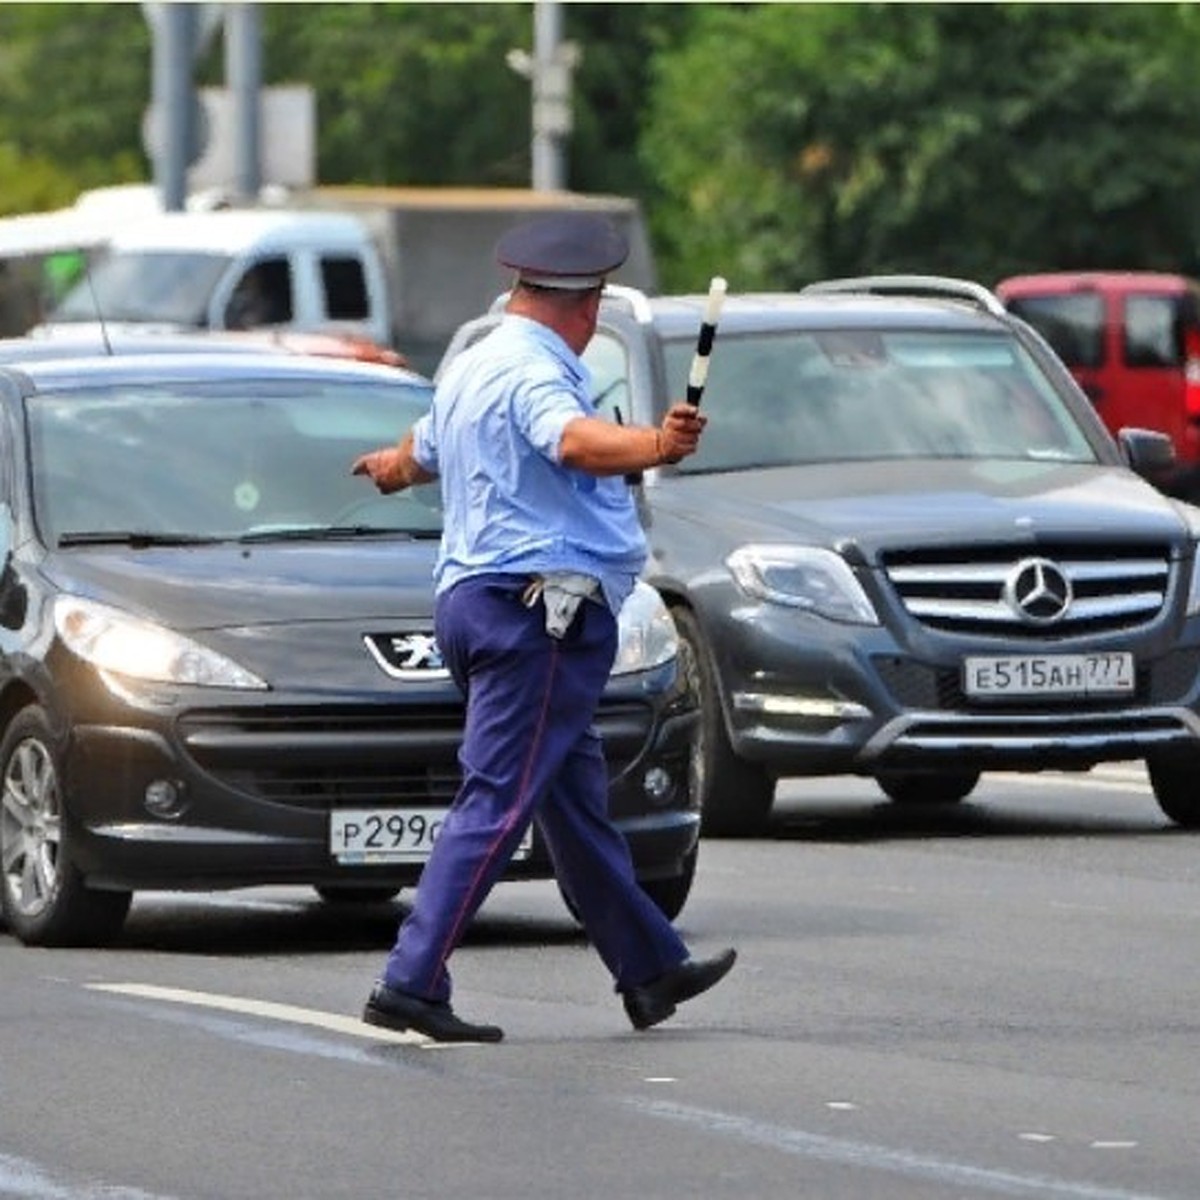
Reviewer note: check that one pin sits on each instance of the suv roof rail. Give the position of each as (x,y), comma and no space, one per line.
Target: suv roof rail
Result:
(637,300)
(915,285)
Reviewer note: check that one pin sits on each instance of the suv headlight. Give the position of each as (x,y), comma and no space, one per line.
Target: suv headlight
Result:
(646,632)
(807,577)
(116,642)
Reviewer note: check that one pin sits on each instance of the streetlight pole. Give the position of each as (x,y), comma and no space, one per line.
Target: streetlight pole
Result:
(549,70)
(243,74)
(174,98)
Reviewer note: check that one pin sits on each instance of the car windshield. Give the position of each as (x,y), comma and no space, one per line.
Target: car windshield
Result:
(165,288)
(822,396)
(257,459)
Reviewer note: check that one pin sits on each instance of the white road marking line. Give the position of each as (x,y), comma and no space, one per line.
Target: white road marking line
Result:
(864,1155)
(1113,1145)
(27,1181)
(1037,1137)
(841,1105)
(333,1022)
(660,1079)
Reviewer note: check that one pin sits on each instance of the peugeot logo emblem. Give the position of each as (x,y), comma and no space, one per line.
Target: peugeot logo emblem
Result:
(1038,591)
(407,655)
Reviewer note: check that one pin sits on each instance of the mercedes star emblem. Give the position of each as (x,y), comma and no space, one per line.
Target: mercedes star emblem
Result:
(1038,591)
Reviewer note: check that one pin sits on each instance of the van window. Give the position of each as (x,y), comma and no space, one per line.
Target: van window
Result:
(345,289)
(263,296)
(1073,324)
(1153,332)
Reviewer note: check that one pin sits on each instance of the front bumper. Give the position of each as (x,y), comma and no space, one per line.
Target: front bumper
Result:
(256,786)
(804,696)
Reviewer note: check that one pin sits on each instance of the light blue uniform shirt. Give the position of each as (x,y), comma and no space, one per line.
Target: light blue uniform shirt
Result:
(492,435)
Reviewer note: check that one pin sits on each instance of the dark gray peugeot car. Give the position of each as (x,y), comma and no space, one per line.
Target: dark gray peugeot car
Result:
(217,666)
(907,549)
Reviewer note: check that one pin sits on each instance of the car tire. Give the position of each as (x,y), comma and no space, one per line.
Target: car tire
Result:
(1174,784)
(345,894)
(43,895)
(735,796)
(927,787)
(671,894)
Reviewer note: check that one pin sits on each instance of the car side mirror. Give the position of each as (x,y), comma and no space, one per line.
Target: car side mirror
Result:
(1147,451)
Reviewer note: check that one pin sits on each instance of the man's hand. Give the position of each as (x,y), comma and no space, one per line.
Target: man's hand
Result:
(680,431)
(392,468)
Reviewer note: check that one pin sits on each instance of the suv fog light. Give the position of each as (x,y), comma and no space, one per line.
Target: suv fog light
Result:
(656,783)
(165,798)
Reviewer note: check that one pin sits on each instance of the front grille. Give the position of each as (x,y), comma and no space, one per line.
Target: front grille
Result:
(969,590)
(366,784)
(326,757)
(325,719)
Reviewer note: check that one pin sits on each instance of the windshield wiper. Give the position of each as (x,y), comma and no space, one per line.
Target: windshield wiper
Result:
(137,538)
(318,533)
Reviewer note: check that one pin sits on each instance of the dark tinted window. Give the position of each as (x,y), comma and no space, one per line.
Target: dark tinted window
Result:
(345,288)
(1072,323)
(263,296)
(1153,331)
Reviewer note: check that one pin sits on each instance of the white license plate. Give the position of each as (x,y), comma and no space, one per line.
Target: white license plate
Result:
(1050,675)
(392,835)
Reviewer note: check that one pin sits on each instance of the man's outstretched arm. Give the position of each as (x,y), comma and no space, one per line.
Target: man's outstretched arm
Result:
(393,468)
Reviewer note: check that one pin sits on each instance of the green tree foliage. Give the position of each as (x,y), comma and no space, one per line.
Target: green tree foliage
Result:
(423,94)
(74,81)
(408,93)
(794,141)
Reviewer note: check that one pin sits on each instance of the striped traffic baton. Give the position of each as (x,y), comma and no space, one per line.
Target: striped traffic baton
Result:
(704,344)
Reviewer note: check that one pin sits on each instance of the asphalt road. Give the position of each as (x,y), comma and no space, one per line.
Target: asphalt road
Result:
(998,1000)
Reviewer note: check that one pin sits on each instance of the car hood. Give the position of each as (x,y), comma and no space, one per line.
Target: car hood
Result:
(873,506)
(227,585)
(300,615)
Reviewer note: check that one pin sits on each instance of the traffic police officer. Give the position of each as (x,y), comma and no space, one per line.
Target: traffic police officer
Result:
(541,546)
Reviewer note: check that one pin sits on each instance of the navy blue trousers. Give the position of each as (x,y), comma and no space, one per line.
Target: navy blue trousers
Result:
(529,752)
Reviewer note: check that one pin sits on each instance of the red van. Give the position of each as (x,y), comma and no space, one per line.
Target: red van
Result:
(1130,338)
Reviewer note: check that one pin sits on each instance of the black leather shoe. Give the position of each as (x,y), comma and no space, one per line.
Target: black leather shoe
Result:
(391,1009)
(649,1003)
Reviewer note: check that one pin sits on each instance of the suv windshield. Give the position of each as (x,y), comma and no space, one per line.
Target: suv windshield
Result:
(162,288)
(843,395)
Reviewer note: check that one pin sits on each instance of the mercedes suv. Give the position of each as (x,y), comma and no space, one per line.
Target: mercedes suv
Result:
(908,547)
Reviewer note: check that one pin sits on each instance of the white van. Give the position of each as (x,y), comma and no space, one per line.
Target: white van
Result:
(235,269)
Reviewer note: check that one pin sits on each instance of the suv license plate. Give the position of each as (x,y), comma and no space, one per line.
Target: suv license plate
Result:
(1050,675)
(392,835)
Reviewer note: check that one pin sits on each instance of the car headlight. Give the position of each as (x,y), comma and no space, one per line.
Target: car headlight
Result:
(646,632)
(114,641)
(802,577)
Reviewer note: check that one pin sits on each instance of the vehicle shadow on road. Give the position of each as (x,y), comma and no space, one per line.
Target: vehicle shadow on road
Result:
(870,820)
(227,927)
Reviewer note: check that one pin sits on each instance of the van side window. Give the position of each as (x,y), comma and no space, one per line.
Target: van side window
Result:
(1153,331)
(345,287)
(263,296)
(1072,323)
